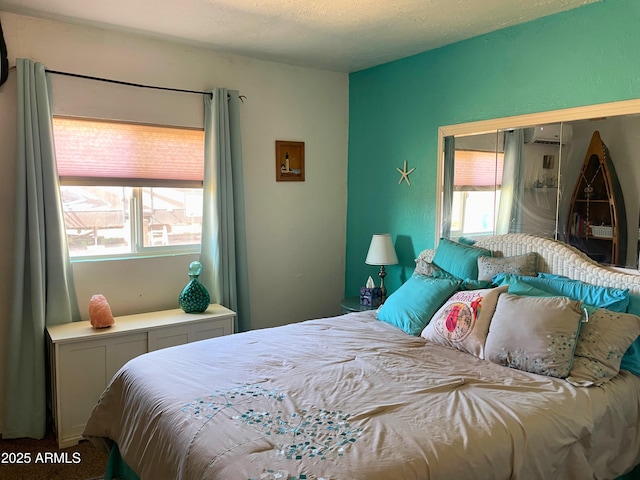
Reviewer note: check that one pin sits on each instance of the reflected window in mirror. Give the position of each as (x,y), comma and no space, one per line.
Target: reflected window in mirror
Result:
(476,192)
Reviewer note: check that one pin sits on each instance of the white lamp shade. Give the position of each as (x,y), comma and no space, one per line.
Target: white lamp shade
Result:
(381,251)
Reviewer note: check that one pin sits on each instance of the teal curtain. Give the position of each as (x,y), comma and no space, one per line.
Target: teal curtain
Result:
(43,292)
(223,252)
(448,187)
(509,219)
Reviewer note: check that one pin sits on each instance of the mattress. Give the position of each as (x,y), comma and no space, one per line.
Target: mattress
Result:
(351,397)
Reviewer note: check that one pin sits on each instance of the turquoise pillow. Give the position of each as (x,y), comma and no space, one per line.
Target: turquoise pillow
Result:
(411,306)
(466,240)
(524,289)
(468,284)
(614,299)
(631,358)
(516,287)
(553,275)
(458,259)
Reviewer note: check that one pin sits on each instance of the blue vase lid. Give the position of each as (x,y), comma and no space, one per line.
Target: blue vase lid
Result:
(195,268)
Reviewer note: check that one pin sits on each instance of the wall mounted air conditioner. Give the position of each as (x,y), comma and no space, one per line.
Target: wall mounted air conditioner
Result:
(548,134)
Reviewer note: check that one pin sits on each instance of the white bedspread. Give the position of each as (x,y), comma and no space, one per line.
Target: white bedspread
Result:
(354,398)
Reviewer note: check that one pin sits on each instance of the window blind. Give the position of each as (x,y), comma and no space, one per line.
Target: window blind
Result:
(477,170)
(96,152)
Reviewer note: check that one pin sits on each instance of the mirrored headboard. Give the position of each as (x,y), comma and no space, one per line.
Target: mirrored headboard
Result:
(571,175)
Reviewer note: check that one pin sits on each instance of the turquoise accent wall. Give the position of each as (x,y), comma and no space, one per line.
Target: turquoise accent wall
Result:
(585,56)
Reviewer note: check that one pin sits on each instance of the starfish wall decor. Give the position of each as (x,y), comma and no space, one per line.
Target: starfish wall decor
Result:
(404,174)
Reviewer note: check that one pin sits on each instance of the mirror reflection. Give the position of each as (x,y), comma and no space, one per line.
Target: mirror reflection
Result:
(574,181)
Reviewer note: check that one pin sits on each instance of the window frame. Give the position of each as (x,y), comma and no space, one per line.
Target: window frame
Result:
(135,208)
(462,190)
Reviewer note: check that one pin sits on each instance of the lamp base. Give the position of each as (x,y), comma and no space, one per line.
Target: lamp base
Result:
(382,273)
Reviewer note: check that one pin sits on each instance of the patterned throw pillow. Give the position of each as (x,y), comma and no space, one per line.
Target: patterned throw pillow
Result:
(526,264)
(428,269)
(423,263)
(463,321)
(602,342)
(534,334)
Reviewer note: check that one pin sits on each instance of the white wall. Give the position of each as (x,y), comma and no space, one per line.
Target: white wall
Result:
(296,231)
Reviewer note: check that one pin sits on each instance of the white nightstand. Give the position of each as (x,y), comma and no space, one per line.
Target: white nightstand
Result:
(84,359)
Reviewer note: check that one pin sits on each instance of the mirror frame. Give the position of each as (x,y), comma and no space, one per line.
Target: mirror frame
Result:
(625,107)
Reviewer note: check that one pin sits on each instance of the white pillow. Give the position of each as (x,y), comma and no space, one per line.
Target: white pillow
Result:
(534,334)
(463,321)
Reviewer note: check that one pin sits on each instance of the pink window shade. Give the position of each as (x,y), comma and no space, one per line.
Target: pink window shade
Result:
(477,169)
(111,153)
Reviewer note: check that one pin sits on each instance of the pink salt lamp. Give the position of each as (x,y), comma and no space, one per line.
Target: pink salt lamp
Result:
(100,312)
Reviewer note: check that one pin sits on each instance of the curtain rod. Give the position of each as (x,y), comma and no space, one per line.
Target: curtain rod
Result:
(120,82)
(130,84)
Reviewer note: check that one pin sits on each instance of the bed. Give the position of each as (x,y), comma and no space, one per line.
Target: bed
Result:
(355,397)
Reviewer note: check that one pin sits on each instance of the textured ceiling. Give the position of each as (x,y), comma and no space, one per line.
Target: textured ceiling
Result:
(339,35)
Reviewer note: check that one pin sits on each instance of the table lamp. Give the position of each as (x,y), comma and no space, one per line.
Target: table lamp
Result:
(381,252)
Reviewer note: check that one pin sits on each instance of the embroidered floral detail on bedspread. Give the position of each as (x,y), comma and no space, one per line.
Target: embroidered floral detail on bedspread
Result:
(212,404)
(314,433)
(318,433)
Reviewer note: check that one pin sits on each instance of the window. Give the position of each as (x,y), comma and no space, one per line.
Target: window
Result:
(129,189)
(476,195)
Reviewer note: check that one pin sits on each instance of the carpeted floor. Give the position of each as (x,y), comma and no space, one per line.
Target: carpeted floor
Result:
(42,460)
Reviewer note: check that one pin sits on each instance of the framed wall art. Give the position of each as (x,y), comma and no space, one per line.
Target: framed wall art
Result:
(289,161)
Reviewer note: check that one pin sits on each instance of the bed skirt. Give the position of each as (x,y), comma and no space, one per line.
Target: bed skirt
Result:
(117,468)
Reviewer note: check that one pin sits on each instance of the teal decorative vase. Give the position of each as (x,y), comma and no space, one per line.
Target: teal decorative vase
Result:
(194,298)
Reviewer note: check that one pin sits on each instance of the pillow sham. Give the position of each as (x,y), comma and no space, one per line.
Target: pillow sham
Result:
(614,299)
(466,240)
(517,287)
(526,264)
(424,267)
(463,321)
(411,306)
(458,259)
(534,334)
(468,284)
(423,263)
(602,342)
(631,358)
